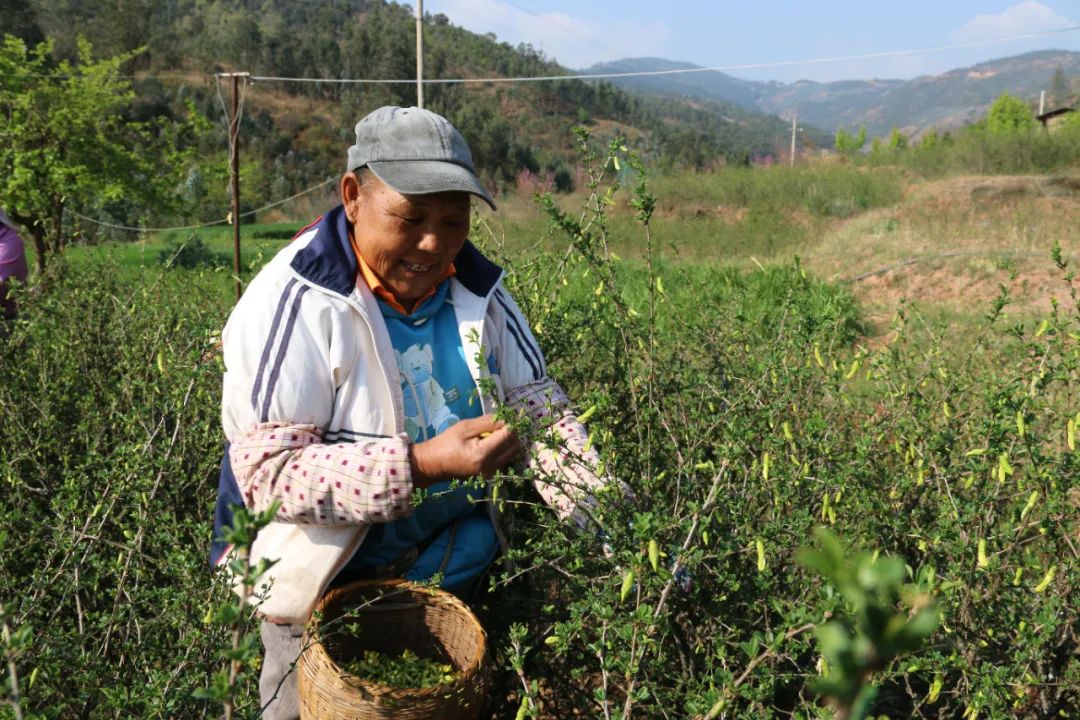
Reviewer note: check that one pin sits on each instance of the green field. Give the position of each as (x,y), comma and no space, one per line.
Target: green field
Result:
(745,397)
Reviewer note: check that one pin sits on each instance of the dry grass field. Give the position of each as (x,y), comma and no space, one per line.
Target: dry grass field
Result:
(950,245)
(943,247)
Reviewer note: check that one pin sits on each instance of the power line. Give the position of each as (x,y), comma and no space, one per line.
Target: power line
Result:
(677,71)
(114,226)
(311,189)
(178,75)
(208,223)
(644,73)
(225,110)
(234,164)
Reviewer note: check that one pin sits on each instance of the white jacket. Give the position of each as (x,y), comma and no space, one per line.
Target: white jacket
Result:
(313,409)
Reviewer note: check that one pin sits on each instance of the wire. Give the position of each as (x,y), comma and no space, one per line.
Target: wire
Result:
(145,229)
(208,223)
(233,123)
(653,73)
(240,106)
(608,76)
(155,76)
(311,189)
(224,109)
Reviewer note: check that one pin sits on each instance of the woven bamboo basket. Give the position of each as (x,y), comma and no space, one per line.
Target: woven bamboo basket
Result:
(392,616)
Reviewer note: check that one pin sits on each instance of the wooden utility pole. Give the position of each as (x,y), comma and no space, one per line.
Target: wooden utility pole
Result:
(234,172)
(794,123)
(419,53)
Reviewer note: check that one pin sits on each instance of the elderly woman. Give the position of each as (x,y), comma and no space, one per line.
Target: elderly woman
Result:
(364,362)
(12,263)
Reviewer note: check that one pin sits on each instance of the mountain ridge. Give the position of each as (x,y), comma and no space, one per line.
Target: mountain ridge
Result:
(944,100)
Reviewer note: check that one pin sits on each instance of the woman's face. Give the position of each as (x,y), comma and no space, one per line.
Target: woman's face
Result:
(407,240)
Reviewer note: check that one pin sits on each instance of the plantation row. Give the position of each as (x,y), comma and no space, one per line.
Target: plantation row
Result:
(741,408)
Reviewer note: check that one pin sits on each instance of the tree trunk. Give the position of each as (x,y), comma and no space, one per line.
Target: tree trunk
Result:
(40,248)
(56,237)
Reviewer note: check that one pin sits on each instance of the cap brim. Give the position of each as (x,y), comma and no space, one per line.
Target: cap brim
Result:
(424,177)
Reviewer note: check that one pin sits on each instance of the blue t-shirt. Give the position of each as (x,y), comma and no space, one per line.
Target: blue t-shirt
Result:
(439,391)
(435,380)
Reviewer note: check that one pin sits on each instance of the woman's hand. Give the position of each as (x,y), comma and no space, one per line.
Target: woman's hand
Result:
(479,446)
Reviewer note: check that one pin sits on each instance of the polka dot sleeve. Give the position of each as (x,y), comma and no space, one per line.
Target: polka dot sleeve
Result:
(566,471)
(319,483)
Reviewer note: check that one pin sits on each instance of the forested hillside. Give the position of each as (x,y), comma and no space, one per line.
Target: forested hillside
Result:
(293,133)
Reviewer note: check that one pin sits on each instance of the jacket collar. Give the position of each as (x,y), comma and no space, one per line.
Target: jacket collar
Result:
(328,260)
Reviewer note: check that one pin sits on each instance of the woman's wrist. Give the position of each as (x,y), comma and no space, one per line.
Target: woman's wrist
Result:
(425,472)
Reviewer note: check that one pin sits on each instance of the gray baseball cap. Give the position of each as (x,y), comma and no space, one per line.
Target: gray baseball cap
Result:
(416,152)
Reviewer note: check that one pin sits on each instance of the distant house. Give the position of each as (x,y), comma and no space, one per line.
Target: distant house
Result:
(1053,118)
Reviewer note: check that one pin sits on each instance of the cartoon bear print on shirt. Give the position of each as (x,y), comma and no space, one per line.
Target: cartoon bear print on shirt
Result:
(426,411)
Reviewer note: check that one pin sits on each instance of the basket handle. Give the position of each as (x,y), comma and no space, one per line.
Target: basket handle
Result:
(380,602)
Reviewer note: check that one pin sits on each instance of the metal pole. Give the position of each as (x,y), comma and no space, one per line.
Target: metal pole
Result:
(419,53)
(794,122)
(234,166)
(1042,101)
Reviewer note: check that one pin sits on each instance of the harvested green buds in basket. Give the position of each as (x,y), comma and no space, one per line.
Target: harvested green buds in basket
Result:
(403,671)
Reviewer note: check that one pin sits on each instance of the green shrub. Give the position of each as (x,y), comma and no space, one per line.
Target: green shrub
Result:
(191,254)
(813,187)
(978,148)
(739,432)
(1010,115)
(741,410)
(109,449)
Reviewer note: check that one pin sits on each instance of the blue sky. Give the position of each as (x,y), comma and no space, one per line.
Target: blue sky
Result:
(581,33)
